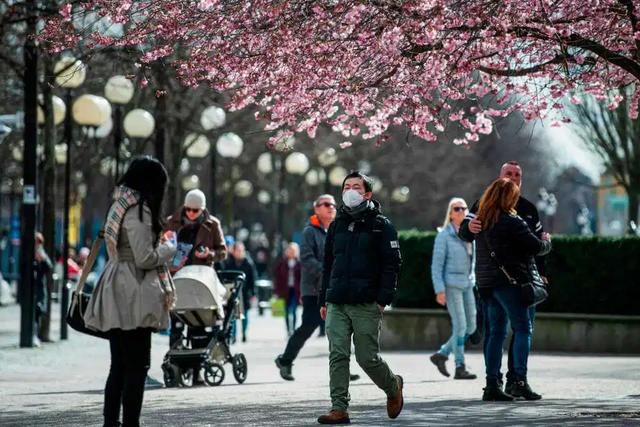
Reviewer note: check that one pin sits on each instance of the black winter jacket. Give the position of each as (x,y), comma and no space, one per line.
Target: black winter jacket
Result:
(526,210)
(361,259)
(515,247)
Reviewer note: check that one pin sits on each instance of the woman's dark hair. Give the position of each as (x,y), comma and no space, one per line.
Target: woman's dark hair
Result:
(368,182)
(148,177)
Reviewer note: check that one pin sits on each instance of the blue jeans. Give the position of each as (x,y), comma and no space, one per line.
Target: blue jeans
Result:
(510,371)
(291,311)
(461,305)
(502,305)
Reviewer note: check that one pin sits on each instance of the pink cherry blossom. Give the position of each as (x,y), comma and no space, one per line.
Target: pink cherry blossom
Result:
(359,67)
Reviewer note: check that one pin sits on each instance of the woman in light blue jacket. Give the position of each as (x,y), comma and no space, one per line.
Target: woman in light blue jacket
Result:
(452,274)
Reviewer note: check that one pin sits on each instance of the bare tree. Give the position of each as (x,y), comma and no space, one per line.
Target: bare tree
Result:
(615,137)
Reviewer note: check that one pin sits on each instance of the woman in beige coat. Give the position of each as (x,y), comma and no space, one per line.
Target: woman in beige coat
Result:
(134,294)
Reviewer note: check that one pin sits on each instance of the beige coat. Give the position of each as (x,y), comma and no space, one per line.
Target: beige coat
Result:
(128,294)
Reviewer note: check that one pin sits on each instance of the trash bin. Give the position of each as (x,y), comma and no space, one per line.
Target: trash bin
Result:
(264,291)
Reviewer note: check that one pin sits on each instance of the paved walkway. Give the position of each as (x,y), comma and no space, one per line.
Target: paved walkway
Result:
(61,384)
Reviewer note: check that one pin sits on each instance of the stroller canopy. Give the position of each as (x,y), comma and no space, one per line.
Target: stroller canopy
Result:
(198,288)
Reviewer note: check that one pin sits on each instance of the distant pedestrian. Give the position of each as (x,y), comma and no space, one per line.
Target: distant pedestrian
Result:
(42,268)
(239,260)
(287,284)
(133,296)
(506,247)
(453,277)
(361,265)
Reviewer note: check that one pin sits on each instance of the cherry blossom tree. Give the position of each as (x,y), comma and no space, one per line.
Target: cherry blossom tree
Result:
(362,66)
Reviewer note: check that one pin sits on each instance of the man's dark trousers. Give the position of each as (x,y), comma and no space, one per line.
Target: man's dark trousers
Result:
(310,321)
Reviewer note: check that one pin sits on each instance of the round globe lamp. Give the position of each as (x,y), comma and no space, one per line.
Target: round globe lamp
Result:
(212,118)
(229,145)
(139,123)
(70,73)
(119,90)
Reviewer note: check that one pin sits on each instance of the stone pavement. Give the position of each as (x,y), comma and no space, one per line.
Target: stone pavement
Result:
(62,383)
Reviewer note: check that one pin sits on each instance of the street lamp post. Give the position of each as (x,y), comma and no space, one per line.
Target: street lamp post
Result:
(138,123)
(295,163)
(336,175)
(70,74)
(213,118)
(229,146)
(547,204)
(89,111)
(119,91)
(327,159)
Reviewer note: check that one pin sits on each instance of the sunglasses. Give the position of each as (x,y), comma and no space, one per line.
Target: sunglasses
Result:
(194,210)
(327,205)
(459,208)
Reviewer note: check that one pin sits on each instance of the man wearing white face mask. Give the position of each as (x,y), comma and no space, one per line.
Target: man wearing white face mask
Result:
(361,265)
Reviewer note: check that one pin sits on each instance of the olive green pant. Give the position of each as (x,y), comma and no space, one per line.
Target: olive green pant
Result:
(363,321)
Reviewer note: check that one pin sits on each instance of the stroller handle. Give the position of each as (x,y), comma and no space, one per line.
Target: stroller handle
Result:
(228,276)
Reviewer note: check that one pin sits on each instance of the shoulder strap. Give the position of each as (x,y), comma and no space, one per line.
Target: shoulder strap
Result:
(93,254)
(495,259)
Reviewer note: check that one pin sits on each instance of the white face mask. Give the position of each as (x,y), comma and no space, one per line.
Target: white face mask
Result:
(352,198)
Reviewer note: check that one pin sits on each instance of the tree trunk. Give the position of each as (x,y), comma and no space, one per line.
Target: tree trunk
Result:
(161,110)
(48,189)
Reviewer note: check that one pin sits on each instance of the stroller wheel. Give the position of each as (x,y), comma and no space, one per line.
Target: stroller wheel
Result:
(186,377)
(213,374)
(170,373)
(239,367)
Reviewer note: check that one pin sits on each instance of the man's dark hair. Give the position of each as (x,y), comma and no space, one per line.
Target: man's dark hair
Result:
(368,182)
(512,163)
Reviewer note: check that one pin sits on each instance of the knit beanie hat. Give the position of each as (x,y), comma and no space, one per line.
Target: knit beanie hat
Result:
(195,199)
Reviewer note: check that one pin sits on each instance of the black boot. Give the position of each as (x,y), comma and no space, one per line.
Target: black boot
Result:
(463,374)
(522,389)
(508,387)
(439,360)
(493,393)
(285,369)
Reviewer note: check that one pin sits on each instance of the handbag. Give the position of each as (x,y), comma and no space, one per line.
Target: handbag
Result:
(80,300)
(532,292)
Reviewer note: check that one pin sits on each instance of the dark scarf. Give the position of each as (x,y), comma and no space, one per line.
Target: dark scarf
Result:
(358,211)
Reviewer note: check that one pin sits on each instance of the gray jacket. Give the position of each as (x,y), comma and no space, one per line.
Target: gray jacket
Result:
(311,257)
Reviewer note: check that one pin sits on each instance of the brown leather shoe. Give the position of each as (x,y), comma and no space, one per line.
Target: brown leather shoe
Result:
(335,417)
(395,404)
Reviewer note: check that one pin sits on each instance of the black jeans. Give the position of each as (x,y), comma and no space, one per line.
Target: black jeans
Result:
(130,361)
(310,321)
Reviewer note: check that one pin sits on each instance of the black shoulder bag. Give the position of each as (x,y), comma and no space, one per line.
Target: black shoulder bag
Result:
(532,292)
(80,300)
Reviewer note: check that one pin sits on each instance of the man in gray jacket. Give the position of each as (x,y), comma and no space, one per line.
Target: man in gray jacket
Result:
(311,258)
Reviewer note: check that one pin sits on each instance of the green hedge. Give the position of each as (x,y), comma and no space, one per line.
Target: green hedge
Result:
(598,275)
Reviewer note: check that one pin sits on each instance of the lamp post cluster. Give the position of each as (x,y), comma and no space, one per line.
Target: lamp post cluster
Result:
(547,204)
(198,146)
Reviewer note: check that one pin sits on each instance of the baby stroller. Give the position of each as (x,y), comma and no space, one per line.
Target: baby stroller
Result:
(207,303)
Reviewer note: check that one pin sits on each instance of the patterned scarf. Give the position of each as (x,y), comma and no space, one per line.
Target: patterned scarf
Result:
(124,199)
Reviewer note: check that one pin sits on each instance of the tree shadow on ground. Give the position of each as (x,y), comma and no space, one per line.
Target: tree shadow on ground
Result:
(441,413)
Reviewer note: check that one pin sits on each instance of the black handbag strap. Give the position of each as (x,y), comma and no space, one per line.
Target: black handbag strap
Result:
(495,259)
(88,266)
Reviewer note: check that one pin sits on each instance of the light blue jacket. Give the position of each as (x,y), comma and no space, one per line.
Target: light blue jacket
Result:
(452,264)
